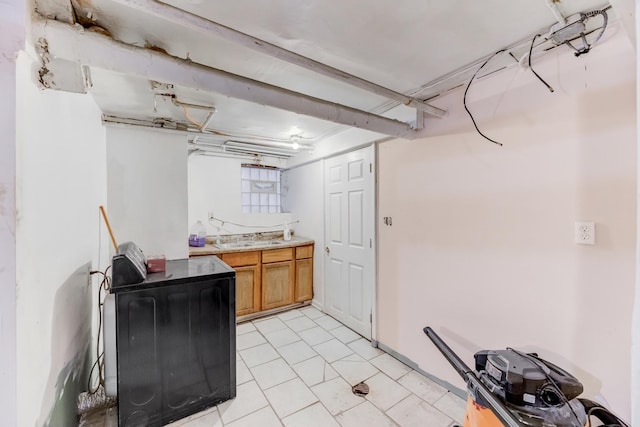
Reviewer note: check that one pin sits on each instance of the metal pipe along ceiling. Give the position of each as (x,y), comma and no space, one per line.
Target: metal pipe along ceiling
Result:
(190,20)
(97,50)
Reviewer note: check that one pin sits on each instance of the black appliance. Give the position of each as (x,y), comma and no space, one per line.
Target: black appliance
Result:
(175,340)
(525,379)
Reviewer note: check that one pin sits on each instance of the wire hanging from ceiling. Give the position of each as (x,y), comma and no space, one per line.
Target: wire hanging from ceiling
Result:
(531,68)
(464,98)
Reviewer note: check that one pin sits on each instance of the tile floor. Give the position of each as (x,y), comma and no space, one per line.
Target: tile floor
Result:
(296,369)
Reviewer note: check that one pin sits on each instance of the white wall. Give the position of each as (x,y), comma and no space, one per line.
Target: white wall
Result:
(147,190)
(482,246)
(214,186)
(61,181)
(303,195)
(13,28)
(635,351)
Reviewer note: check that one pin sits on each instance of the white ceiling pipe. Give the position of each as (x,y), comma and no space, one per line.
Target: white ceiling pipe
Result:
(89,48)
(187,19)
(556,12)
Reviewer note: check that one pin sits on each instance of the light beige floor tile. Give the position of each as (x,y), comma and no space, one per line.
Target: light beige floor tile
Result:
(249,399)
(272,373)
(301,323)
(271,324)
(365,414)
(243,374)
(390,366)
(282,337)
(415,412)
(211,413)
(296,352)
(364,349)
(315,336)
(288,315)
(332,350)
(211,419)
(345,334)
(314,371)
(203,419)
(245,327)
(311,312)
(422,386)
(248,340)
(336,395)
(290,397)
(452,405)
(287,353)
(354,369)
(385,392)
(264,417)
(327,322)
(258,355)
(313,416)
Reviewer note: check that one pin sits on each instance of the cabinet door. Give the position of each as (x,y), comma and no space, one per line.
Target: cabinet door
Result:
(304,279)
(248,286)
(277,284)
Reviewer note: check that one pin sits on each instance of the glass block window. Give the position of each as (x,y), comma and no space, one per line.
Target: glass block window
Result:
(260,190)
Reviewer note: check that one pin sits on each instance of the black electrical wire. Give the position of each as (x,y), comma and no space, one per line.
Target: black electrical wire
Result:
(591,411)
(105,284)
(464,98)
(531,68)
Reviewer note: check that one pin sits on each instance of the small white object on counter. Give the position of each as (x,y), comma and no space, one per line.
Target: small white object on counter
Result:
(287,232)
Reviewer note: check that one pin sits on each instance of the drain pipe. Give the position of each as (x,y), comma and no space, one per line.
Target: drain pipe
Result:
(185,106)
(206,26)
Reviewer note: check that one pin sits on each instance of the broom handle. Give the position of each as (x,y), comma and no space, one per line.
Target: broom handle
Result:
(106,221)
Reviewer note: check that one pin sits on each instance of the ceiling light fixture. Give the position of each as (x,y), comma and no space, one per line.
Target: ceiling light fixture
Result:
(575,28)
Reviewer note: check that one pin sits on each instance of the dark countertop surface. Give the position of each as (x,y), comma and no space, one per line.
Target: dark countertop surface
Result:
(180,271)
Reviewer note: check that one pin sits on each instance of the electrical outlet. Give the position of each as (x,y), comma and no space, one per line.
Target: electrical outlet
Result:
(585,233)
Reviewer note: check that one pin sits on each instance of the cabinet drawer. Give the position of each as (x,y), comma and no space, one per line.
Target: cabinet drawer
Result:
(240,259)
(304,252)
(277,255)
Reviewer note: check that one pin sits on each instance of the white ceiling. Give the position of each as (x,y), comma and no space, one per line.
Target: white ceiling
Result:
(409,46)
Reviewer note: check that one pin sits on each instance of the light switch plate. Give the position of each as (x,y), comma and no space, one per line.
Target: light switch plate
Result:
(585,233)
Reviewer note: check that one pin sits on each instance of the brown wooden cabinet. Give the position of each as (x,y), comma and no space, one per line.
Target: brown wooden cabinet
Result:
(304,274)
(277,284)
(278,278)
(271,278)
(248,280)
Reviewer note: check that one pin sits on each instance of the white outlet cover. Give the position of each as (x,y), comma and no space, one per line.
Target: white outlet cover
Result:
(585,233)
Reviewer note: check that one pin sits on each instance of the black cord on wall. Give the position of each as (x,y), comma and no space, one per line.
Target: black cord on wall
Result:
(464,98)
(105,285)
(531,68)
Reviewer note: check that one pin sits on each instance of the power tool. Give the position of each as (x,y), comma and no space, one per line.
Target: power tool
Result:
(517,389)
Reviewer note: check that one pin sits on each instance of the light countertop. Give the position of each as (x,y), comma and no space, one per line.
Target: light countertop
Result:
(244,246)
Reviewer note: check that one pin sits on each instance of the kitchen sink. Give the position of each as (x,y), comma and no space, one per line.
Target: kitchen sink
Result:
(249,244)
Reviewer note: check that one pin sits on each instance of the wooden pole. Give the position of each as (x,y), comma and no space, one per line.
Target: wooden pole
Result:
(106,221)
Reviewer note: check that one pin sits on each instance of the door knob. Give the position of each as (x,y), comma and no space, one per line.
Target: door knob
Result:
(327,250)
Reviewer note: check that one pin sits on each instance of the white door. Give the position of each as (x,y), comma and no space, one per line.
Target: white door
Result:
(349,234)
